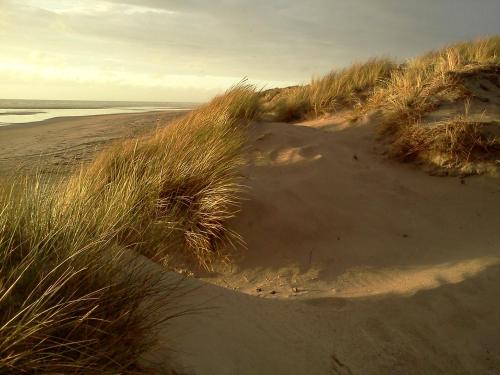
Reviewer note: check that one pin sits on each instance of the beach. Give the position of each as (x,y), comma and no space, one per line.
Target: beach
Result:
(345,226)
(249,188)
(346,268)
(57,145)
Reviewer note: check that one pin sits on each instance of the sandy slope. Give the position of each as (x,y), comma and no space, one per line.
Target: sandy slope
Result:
(397,271)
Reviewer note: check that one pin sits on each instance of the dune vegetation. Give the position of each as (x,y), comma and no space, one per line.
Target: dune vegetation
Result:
(66,304)
(402,95)
(426,84)
(336,90)
(180,182)
(72,296)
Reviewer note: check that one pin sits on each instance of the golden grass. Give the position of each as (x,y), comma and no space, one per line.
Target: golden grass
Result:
(72,297)
(287,105)
(402,95)
(418,86)
(334,91)
(452,143)
(70,300)
(347,87)
(183,179)
(421,86)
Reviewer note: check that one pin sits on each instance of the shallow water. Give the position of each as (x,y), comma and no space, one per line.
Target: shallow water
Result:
(26,111)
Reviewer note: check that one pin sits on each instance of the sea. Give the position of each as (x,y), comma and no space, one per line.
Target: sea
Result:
(22,111)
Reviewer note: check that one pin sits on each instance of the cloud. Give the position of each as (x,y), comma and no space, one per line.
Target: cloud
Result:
(209,44)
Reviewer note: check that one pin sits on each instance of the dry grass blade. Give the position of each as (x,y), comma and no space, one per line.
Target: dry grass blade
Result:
(424,84)
(73,298)
(325,95)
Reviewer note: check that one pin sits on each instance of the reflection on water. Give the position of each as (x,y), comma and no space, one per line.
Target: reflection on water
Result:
(26,111)
(11,116)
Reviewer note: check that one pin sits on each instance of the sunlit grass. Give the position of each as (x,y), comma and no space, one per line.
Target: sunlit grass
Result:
(421,86)
(72,296)
(333,92)
(181,182)
(71,300)
(418,85)
(402,95)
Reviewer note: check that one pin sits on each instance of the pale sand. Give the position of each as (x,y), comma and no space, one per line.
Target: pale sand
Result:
(398,272)
(57,145)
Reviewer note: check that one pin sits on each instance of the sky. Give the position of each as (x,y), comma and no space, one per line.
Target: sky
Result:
(190,50)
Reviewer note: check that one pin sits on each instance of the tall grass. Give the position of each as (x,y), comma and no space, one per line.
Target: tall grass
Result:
(402,94)
(333,92)
(72,298)
(71,301)
(287,105)
(183,179)
(347,87)
(420,84)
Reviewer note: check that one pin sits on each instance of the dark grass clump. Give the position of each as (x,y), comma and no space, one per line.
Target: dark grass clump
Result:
(71,302)
(451,144)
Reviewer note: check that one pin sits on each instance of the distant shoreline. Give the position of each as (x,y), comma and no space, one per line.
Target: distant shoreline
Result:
(87,104)
(6,121)
(65,119)
(17,113)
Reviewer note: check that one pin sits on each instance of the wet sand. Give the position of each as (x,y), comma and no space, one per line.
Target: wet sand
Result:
(57,145)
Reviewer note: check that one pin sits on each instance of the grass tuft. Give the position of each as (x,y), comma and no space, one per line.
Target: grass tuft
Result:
(73,296)
(67,305)
(347,87)
(452,143)
(180,184)
(335,91)
(423,85)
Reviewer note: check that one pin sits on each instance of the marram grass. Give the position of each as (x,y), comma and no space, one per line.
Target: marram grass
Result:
(73,298)
(420,86)
(335,91)
(416,87)
(181,182)
(402,95)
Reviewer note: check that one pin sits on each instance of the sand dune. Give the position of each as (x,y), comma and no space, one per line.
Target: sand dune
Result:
(355,264)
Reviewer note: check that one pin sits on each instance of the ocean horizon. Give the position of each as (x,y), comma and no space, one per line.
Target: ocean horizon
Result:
(22,111)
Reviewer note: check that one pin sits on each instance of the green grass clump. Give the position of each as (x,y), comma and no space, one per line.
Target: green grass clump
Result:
(73,296)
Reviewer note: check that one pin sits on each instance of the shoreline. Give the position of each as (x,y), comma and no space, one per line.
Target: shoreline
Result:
(69,118)
(57,145)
